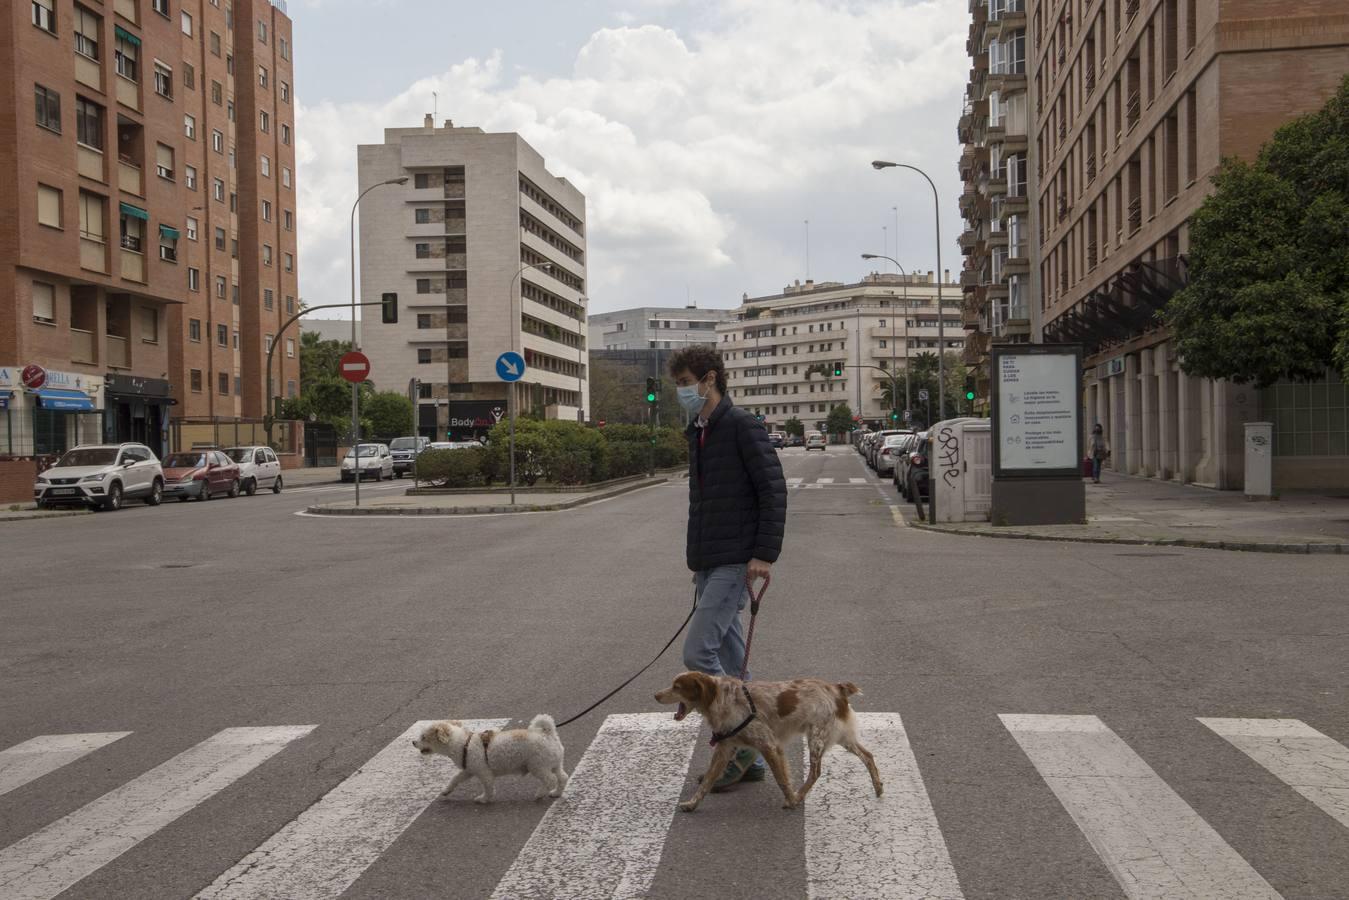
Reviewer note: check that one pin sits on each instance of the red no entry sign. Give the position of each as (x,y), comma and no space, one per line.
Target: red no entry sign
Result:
(354,366)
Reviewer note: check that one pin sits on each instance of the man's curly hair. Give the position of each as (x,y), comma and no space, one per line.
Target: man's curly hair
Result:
(699,359)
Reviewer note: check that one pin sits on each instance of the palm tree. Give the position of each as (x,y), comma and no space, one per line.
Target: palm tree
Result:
(924,363)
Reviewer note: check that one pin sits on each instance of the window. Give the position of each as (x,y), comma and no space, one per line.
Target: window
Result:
(266,210)
(239,389)
(222,335)
(215,44)
(236,340)
(191,228)
(88,29)
(285,176)
(218,189)
(220,284)
(285,48)
(48,108)
(164,161)
(285,134)
(266,254)
(88,123)
(423,285)
(189,127)
(149,325)
(421,181)
(264,121)
(421,216)
(267,301)
(290,304)
(163,80)
(194,284)
(190,177)
(189,77)
(284,88)
(423,354)
(262,76)
(229,63)
(220,238)
(44,15)
(217,93)
(127,54)
(288,219)
(289,262)
(267,342)
(262,31)
(234,294)
(423,251)
(48,206)
(223,383)
(187,19)
(217,140)
(234,159)
(266,163)
(168,243)
(195,378)
(290,347)
(194,327)
(91,217)
(161,7)
(44,302)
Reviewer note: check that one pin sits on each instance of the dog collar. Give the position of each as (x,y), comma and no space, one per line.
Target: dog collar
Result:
(486,737)
(753,714)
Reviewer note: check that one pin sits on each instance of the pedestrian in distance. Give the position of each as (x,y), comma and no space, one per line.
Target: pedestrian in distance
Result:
(737,516)
(1100,452)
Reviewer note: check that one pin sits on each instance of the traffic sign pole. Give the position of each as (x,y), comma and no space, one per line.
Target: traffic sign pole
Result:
(510,368)
(354,366)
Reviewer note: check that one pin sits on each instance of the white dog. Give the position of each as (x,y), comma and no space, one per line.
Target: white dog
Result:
(535,750)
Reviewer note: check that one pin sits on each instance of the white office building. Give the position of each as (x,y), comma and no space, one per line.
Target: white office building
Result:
(656,327)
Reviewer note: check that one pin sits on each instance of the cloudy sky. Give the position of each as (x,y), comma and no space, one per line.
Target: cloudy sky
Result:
(703,134)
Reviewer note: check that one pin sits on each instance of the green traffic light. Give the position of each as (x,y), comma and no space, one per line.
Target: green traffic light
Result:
(650,398)
(969,395)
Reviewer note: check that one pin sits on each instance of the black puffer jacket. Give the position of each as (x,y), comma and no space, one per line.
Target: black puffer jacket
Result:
(737,494)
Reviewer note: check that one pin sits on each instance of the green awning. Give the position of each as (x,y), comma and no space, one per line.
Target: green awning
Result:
(135,212)
(126,35)
(168,232)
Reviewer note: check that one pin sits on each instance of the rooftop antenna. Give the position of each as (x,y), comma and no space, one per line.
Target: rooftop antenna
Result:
(435,106)
(807,249)
(885,239)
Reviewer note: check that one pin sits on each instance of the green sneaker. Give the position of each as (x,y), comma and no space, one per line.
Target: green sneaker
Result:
(747,765)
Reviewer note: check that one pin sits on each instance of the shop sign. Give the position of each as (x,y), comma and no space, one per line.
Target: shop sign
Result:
(12,378)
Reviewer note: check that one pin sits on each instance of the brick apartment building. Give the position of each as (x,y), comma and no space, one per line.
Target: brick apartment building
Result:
(148,258)
(1132,105)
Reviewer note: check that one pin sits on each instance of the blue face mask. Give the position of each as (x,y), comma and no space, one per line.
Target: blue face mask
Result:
(690,399)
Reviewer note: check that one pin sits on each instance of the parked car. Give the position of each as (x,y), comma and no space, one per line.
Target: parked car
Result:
(777,439)
(877,439)
(101,477)
(404,451)
(891,447)
(258,468)
(795,440)
(376,462)
(200,475)
(815,441)
(918,469)
(898,455)
(907,461)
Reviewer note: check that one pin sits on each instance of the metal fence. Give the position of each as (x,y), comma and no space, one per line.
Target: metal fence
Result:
(47,432)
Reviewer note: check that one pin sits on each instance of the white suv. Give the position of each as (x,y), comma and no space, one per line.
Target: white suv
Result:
(258,468)
(101,477)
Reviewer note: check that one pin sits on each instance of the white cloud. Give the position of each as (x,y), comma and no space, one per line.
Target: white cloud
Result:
(700,152)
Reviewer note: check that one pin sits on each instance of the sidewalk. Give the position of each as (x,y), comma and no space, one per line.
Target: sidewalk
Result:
(1127,510)
(477,504)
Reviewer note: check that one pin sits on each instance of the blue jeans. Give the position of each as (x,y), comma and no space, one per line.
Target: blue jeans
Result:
(715,643)
(1096,468)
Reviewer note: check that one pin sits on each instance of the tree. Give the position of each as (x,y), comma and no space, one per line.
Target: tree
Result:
(840,420)
(794,427)
(1268,292)
(324,395)
(388,414)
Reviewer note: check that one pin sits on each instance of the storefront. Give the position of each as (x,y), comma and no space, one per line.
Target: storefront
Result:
(137,409)
(44,412)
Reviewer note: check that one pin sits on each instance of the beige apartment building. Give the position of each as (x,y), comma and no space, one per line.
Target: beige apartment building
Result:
(1133,104)
(146,155)
(486,252)
(872,328)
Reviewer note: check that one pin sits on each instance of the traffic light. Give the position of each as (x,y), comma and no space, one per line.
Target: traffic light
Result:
(838,369)
(388,309)
(969,395)
(894,415)
(652,390)
(969,388)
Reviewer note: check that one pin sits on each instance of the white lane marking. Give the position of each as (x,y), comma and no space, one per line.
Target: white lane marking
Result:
(41,755)
(325,849)
(898,517)
(48,861)
(861,846)
(1309,762)
(824,481)
(604,836)
(857,481)
(1152,841)
(793,482)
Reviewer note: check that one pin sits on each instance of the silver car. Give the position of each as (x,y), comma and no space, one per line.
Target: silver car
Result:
(886,457)
(258,468)
(375,459)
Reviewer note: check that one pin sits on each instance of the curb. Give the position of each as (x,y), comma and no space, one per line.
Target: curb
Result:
(476,510)
(1241,546)
(45,515)
(545,489)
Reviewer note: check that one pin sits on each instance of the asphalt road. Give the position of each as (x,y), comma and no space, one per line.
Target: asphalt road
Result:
(177,623)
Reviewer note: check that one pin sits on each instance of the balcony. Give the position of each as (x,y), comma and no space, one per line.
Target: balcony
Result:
(129,178)
(1132,109)
(89,162)
(119,352)
(454,190)
(1135,215)
(133,266)
(1091,169)
(82,346)
(1092,258)
(93,255)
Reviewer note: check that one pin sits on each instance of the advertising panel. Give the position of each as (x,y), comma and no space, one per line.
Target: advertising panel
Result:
(1037,410)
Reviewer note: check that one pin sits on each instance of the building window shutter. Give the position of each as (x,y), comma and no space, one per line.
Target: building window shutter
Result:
(44,301)
(48,206)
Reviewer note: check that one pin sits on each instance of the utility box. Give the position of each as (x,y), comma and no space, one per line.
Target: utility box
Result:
(960,470)
(1259,460)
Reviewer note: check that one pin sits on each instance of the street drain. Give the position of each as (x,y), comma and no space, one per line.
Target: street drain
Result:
(178,565)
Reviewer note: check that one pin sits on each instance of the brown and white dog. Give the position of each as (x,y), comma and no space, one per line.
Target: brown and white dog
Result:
(487,755)
(765,715)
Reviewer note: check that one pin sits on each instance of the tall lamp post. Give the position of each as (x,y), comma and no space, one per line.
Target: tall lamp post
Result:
(356,388)
(941,312)
(510,387)
(905,285)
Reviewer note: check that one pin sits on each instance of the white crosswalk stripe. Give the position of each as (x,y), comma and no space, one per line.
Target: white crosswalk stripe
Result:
(52,859)
(1315,766)
(824,481)
(604,836)
(42,755)
(794,482)
(323,851)
(862,847)
(1154,844)
(857,481)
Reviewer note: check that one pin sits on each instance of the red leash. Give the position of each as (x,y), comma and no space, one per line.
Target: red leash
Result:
(753,615)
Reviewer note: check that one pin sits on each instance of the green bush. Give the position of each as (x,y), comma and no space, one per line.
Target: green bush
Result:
(452,468)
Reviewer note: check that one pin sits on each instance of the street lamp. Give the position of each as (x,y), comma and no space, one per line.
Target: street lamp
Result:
(515,334)
(941,312)
(356,388)
(905,284)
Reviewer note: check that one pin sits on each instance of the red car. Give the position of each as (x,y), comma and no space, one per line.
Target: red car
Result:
(200,474)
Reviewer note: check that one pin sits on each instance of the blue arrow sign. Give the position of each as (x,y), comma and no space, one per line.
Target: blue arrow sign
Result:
(510,366)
